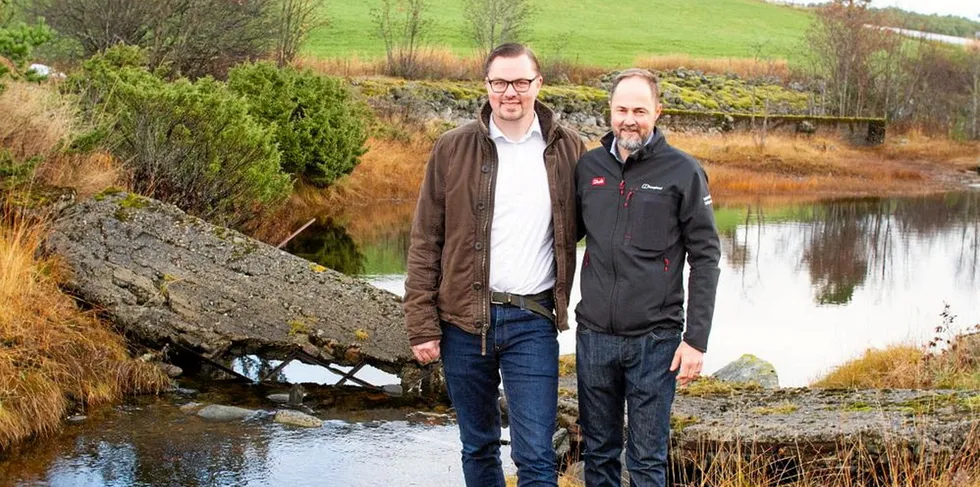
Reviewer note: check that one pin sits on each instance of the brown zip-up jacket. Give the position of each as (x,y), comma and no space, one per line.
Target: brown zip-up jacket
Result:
(448,260)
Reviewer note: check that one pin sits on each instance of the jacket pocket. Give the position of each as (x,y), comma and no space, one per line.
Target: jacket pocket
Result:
(652,222)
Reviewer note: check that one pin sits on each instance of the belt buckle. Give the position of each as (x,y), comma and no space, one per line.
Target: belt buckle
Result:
(508,301)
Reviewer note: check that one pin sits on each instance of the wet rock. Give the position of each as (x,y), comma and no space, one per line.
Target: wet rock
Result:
(217,412)
(78,418)
(296,418)
(749,368)
(191,407)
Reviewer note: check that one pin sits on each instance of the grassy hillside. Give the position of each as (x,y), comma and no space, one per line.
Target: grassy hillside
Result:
(613,35)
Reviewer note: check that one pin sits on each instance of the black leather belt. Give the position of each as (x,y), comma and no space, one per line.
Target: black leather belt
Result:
(531,302)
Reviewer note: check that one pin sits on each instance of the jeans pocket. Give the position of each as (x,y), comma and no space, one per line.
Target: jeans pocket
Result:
(665,333)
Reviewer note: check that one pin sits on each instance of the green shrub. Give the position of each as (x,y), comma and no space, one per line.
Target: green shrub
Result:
(191,144)
(320,130)
(17,41)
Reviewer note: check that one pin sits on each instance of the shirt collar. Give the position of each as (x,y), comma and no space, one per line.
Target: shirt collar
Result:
(615,150)
(535,128)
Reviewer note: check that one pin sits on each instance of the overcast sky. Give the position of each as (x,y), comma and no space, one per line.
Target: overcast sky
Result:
(963,8)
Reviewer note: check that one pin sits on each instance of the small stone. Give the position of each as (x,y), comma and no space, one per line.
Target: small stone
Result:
(278,398)
(171,370)
(296,418)
(216,412)
(78,418)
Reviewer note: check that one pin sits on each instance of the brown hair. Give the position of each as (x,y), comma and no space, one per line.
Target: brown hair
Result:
(637,73)
(511,50)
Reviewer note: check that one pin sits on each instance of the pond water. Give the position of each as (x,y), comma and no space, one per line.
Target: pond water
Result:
(805,286)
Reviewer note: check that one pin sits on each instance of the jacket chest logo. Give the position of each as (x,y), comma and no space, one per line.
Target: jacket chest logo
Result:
(599,181)
(649,186)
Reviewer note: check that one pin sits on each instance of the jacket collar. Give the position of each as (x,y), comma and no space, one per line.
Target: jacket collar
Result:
(546,117)
(656,143)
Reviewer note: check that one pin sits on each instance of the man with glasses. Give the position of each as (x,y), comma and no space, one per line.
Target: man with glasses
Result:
(490,267)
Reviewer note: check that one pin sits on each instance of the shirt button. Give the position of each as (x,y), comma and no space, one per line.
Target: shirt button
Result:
(477,286)
(480,206)
(485,168)
(479,246)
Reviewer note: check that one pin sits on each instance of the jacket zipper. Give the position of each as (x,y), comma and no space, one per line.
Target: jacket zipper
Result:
(485,301)
(612,298)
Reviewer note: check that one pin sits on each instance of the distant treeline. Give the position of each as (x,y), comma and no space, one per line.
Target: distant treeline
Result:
(940,24)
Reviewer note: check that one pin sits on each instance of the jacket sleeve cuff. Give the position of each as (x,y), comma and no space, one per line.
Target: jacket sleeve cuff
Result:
(699,345)
(423,339)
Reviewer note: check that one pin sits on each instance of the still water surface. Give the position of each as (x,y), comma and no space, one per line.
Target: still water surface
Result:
(805,286)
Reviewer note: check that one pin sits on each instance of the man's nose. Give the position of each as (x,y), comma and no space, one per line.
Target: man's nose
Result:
(511,91)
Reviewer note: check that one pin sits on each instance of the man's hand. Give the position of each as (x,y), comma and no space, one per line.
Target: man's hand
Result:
(426,352)
(689,360)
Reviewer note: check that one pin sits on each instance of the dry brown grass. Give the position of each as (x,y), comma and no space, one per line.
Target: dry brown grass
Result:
(739,166)
(915,144)
(87,173)
(443,63)
(898,367)
(743,67)
(432,63)
(893,465)
(52,355)
(36,120)
(946,363)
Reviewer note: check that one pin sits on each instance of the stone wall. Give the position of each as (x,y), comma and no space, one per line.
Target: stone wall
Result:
(586,109)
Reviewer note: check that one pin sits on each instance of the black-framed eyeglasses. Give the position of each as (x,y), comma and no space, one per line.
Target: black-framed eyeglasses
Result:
(520,85)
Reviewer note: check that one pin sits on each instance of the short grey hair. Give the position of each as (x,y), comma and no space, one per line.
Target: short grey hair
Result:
(637,73)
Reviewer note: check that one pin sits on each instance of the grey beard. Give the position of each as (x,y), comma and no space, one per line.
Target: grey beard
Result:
(630,145)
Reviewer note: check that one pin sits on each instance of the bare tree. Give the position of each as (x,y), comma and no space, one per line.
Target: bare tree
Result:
(402,25)
(294,21)
(841,47)
(490,23)
(974,62)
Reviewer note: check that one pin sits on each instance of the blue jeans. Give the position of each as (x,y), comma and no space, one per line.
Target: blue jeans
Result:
(522,347)
(636,370)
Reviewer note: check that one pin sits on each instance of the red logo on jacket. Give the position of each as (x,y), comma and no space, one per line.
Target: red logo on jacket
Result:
(598,181)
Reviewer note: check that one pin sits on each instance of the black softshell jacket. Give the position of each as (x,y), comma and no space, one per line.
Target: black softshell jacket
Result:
(641,220)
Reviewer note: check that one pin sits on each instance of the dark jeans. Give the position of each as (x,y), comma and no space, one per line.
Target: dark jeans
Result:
(522,347)
(616,369)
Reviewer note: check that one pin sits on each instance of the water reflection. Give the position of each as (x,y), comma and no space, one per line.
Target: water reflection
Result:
(330,246)
(838,276)
(158,445)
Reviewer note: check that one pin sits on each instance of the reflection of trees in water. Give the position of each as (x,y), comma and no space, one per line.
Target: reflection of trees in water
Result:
(836,250)
(844,241)
(330,246)
(153,447)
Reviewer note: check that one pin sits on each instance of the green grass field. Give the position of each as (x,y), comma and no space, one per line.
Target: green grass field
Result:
(605,34)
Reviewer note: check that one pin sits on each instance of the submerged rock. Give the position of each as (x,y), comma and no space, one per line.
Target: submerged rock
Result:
(296,418)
